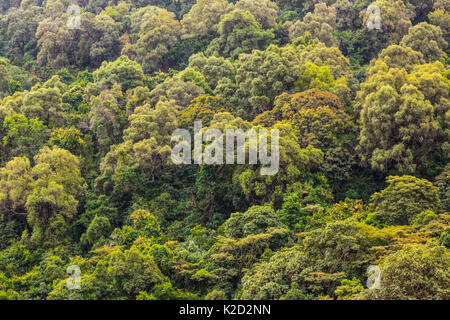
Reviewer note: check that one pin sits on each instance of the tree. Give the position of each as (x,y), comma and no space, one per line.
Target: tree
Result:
(287,105)
(19,26)
(202,20)
(338,247)
(52,202)
(321,56)
(396,56)
(98,40)
(333,131)
(201,109)
(346,84)
(5,78)
(180,8)
(419,9)
(264,11)
(315,77)
(88,118)
(350,290)
(255,220)
(427,39)
(415,272)
(316,267)
(147,122)
(158,33)
(401,117)
(191,75)
(176,90)
(145,153)
(123,71)
(442,181)
(441,18)
(239,32)
(319,24)
(404,198)
(112,274)
(137,97)
(107,118)
(260,77)
(55,43)
(213,68)
(98,229)
(70,139)
(23,137)
(15,179)
(146,222)
(395,19)
(44,103)
(274,278)
(297,167)
(231,258)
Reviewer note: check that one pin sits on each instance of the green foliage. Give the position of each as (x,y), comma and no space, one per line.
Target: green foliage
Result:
(70,139)
(146,223)
(166,291)
(112,274)
(52,201)
(239,32)
(123,71)
(427,39)
(350,290)
(316,267)
(202,20)
(315,77)
(424,218)
(291,213)
(404,198)
(23,137)
(98,229)
(107,118)
(415,272)
(443,183)
(87,179)
(213,68)
(320,24)
(260,77)
(191,75)
(159,31)
(255,220)
(402,124)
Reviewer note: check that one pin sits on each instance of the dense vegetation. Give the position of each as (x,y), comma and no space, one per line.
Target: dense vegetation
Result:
(86,178)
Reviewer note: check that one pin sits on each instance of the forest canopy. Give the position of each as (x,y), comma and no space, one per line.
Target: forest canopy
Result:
(91,92)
